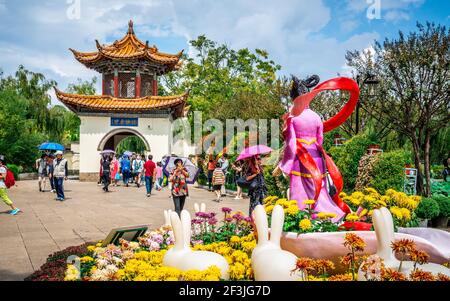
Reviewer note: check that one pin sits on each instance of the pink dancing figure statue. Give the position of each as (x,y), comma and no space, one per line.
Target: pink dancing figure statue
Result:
(304,159)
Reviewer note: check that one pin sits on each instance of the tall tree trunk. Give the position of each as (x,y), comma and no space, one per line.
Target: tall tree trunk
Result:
(427,163)
(416,148)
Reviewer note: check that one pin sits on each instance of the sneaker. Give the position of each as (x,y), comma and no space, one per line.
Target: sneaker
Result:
(148,194)
(138,185)
(15,211)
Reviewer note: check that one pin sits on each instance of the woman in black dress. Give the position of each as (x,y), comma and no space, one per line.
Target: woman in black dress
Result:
(257,190)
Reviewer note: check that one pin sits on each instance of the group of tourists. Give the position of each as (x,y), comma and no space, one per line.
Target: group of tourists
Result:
(52,166)
(247,174)
(131,169)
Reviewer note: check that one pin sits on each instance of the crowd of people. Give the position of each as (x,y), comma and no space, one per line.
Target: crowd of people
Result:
(140,170)
(247,174)
(134,169)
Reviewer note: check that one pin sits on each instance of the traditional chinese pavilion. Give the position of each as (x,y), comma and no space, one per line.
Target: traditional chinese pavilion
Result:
(129,104)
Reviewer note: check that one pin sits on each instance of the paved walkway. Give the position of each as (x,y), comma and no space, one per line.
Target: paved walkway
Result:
(88,214)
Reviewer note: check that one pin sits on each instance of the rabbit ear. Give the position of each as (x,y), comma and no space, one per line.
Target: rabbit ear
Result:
(177,230)
(277,224)
(382,234)
(196,208)
(261,224)
(203,207)
(389,223)
(186,222)
(166,218)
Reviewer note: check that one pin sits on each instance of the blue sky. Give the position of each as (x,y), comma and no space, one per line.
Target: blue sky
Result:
(303,36)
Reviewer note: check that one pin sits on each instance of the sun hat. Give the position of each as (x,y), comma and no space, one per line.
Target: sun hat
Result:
(58,153)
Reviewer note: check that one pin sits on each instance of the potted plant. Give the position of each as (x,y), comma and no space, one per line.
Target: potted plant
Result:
(441,220)
(427,210)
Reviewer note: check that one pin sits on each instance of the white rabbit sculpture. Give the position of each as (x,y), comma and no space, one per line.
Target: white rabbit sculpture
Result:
(182,257)
(269,261)
(199,208)
(384,230)
(167,218)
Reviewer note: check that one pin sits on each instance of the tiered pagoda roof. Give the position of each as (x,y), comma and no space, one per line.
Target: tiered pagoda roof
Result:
(128,50)
(107,103)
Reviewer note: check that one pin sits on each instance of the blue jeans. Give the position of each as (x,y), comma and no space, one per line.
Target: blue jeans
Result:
(149,184)
(59,187)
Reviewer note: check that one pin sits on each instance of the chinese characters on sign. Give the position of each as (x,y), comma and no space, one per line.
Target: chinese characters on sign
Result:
(118,121)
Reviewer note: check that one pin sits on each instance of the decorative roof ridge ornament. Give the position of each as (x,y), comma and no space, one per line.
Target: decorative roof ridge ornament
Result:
(130,27)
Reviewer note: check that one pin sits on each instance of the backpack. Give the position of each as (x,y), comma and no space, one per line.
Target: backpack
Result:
(9,179)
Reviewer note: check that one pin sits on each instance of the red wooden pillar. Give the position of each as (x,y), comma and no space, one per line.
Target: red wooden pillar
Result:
(138,84)
(155,86)
(103,85)
(116,83)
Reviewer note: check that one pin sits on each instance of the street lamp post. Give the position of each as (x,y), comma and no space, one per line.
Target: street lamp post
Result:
(370,80)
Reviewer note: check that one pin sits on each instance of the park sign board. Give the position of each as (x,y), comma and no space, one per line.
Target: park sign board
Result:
(120,121)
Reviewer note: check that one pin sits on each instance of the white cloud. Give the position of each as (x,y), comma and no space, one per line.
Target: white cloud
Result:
(396,15)
(290,31)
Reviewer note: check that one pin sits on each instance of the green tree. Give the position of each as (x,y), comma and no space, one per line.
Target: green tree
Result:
(414,94)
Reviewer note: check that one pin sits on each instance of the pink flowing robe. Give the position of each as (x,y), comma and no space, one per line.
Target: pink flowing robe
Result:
(307,126)
(114,168)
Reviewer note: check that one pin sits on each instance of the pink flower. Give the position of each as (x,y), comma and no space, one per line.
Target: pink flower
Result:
(226,210)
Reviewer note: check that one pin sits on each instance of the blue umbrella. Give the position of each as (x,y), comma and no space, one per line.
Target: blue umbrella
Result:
(128,153)
(51,146)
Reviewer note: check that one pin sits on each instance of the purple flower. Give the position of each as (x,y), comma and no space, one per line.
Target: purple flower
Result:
(212,221)
(226,210)
(228,219)
(238,217)
(203,215)
(211,215)
(196,221)
(248,219)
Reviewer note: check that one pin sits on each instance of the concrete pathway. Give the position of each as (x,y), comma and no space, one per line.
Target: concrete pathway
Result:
(88,214)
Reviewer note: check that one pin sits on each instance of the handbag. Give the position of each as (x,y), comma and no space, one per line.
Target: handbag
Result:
(332,190)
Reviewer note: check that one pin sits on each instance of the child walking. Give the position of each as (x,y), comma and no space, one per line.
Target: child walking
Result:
(218,179)
(3,194)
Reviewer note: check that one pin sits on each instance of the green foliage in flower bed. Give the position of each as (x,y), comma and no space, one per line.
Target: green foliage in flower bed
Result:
(440,188)
(388,170)
(428,209)
(347,158)
(444,204)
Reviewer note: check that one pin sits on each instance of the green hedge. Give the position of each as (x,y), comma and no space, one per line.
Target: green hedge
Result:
(444,204)
(428,209)
(389,170)
(347,158)
(15,170)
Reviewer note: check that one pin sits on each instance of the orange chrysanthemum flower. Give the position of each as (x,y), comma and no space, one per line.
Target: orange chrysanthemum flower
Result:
(323,265)
(419,257)
(345,277)
(354,242)
(404,246)
(442,277)
(305,264)
(392,275)
(419,275)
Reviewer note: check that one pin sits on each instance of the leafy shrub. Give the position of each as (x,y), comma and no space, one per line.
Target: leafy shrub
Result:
(440,188)
(347,158)
(15,170)
(428,209)
(444,204)
(275,186)
(436,171)
(388,171)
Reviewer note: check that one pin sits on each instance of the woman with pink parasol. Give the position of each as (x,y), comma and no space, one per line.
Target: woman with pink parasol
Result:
(254,175)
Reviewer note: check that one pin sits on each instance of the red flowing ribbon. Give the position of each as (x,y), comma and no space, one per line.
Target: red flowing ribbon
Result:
(339,83)
(307,160)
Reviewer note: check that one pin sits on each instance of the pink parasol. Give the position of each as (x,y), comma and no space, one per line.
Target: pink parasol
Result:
(253,151)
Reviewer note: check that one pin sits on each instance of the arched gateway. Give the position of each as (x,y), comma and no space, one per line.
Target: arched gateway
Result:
(129,104)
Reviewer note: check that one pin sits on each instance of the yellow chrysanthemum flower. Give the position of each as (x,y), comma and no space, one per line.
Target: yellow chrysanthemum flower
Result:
(305,224)
(309,202)
(363,213)
(292,210)
(352,217)
(322,215)
(331,215)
